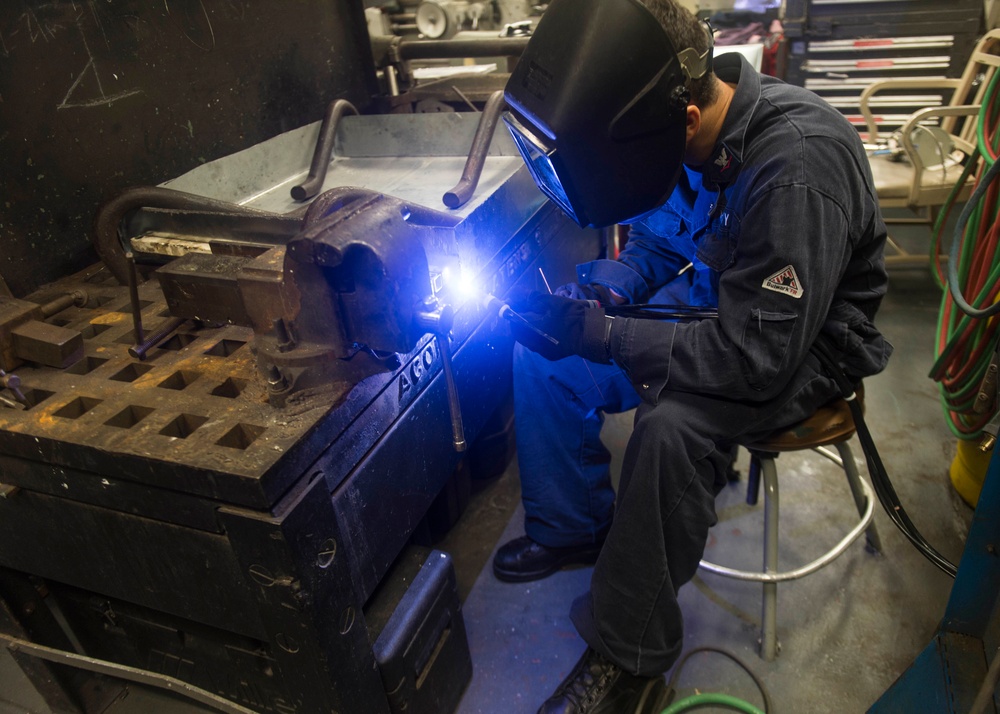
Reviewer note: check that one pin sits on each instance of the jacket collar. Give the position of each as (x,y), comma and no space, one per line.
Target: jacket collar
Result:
(727,156)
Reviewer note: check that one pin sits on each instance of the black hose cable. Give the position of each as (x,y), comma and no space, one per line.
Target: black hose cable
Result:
(657,311)
(880,477)
(676,674)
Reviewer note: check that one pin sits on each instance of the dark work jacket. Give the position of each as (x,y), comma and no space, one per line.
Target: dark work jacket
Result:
(783,233)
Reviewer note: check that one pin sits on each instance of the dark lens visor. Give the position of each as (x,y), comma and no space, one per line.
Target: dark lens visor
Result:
(538,159)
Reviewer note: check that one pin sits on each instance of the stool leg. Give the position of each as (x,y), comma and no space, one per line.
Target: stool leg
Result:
(753,480)
(854,480)
(769,627)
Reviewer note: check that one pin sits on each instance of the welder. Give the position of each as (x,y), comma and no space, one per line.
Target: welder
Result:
(744,194)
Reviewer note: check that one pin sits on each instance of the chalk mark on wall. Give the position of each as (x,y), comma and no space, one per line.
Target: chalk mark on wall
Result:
(104,98)
(211,29)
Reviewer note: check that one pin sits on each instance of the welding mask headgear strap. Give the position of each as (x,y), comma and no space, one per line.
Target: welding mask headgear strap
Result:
(694,65)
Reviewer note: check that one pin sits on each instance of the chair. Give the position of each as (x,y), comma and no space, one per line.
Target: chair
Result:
(833,426)
(932,146)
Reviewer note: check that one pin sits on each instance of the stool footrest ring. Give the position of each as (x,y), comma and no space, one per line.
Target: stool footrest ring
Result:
(815,565)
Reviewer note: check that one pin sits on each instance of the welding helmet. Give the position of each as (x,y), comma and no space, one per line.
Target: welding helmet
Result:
(597,108)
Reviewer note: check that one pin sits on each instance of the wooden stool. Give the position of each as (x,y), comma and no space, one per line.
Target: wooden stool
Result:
(833,426)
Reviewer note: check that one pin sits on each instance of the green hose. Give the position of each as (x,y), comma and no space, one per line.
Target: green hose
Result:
(705,700)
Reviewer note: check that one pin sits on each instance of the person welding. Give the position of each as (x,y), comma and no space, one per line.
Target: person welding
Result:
(743,194)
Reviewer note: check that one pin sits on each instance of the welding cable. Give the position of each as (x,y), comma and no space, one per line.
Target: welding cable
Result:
(655,311)
(965,342)
(880,477)
(676,675)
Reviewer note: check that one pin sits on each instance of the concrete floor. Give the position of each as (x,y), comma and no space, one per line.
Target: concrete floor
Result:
(846,632)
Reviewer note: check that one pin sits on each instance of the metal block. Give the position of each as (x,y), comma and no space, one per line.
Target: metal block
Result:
(204,287)
(47,344)
(13,312)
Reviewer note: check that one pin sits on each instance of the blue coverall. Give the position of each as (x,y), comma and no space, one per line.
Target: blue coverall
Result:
(783,231)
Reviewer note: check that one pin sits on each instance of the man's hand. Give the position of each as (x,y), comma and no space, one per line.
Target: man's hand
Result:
(591,291)
(578,327)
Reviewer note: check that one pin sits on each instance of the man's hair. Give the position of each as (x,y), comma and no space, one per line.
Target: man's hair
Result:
(684,31)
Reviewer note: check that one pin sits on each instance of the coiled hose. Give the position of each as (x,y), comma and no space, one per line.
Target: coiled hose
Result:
(966,343)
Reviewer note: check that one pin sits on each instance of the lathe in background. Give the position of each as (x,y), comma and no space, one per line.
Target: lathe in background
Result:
(217,444)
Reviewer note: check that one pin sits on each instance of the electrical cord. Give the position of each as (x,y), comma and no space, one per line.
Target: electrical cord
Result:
(676,674)
(880,477)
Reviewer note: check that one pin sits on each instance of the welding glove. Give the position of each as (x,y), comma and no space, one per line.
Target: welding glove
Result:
(577,326)
(590,291)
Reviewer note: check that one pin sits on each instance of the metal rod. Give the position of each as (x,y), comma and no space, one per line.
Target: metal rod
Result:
(132,674)
(139,350)
(324,150)
(107,238)
(454,406)
(464,189)
(133,297)
(432,49)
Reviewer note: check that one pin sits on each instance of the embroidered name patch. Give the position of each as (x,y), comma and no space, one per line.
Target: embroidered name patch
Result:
(785,281)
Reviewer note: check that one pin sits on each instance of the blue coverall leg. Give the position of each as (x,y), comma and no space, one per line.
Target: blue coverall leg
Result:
(565,468)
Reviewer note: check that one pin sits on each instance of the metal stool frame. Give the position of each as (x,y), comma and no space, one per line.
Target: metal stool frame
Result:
(763,463)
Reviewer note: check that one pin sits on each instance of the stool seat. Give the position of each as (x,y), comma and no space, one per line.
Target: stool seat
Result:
(831,425)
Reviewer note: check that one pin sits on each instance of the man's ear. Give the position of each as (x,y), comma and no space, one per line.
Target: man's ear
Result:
(693,122)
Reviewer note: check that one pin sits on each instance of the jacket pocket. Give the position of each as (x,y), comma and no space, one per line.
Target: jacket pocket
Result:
(764,345)
(717,250)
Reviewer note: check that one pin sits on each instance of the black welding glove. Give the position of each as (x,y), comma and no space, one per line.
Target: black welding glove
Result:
(591,291)
(578,327)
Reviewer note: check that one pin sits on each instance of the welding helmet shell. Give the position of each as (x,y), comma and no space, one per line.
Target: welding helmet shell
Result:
(597,108)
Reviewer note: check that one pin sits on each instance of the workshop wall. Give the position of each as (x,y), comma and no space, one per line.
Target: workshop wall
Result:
(100,95)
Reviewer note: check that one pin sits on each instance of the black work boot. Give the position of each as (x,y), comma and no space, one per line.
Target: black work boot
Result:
(522,559)
(596,686)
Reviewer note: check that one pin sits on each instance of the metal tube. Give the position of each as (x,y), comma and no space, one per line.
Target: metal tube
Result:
(324,150)
(846,461)
(808,568)
(132,674)
(110,215)
(77,297)
(464,189)
(454,407)
(139,350)
(769,616)
(434,49)
(133,296)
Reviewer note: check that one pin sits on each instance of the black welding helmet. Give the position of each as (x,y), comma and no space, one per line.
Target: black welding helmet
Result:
(597,108)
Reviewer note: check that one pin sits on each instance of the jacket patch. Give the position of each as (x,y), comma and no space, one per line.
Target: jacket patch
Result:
(785,281)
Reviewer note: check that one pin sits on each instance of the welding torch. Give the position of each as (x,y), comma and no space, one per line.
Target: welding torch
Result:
(502,309)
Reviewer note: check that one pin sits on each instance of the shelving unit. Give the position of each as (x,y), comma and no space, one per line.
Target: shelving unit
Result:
(839,47)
